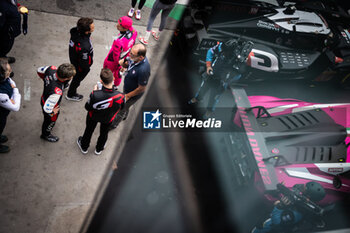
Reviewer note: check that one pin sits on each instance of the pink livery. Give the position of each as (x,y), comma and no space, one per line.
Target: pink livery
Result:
(318,161)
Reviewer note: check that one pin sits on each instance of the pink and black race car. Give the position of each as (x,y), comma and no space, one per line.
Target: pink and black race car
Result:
(295,142)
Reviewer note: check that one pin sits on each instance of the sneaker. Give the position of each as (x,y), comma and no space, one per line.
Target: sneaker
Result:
(50,138)
(155,35)
(143,41)
(79,144)
(138,14)
(4,149)
(3,139)
(75,97)
(98,152)
(131,12)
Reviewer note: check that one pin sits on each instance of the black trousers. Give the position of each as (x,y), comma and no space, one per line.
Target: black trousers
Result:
(133,3)
(79,76)
(6,43)
(3,119)
(89,130)
(49,123)
(122,114)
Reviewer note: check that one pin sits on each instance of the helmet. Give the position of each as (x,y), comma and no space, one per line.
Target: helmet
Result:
(314,191)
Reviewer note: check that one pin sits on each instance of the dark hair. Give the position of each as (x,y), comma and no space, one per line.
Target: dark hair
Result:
(3,68)
(142,51)
(66,70)
(106,76)
(83,24)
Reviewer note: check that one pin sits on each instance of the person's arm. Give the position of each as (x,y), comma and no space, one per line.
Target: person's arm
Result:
(139,90)
(11,104)
(50,103)
(88,104)
(210,57)
(85,61)
(41,71)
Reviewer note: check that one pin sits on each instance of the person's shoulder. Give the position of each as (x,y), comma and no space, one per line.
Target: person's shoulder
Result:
(51,70)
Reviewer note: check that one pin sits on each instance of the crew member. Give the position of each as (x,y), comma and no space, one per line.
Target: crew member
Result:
(285,215)
(137,74)
(54,80)
(10,99)
(120,47)
(80,54)
(102,106)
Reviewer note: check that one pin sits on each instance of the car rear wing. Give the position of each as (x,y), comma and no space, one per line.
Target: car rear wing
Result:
(255,138)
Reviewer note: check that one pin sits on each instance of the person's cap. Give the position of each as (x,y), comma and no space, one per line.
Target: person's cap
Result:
(125,22)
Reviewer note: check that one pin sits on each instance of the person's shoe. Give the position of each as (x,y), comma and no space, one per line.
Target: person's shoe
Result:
(3,139)
(11,60)
(4,149)
(98,152)
(131,12)
(155,35)
(75,97)
(143,41)
(79,145)
(50,138)
(193,101)
(138,14)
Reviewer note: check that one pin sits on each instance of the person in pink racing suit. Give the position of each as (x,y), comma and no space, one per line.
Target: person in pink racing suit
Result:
(121,47)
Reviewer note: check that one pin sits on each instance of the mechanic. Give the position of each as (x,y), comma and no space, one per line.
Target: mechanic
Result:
(10,25)
(218,66)
(10,99)
(103,105)
(54,80)
(166,7)
(80,54)
(120,47)
(135,81)
(286,216)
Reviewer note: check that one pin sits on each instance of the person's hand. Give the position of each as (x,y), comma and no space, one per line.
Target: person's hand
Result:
(209,70)
(95,87)
(13,85)
(121,61)
(56,109)
(126,97)
(23,10)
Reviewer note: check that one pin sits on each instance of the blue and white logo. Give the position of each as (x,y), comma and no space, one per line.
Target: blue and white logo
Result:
(151,120)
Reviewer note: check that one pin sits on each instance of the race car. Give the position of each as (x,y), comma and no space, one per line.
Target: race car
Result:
(290,41)
(293,142)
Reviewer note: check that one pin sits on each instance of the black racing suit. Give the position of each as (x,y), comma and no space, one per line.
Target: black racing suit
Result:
(51,97)
(81,56)
(102,106)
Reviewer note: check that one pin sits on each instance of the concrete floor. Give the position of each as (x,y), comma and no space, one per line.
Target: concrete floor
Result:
(49,187)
